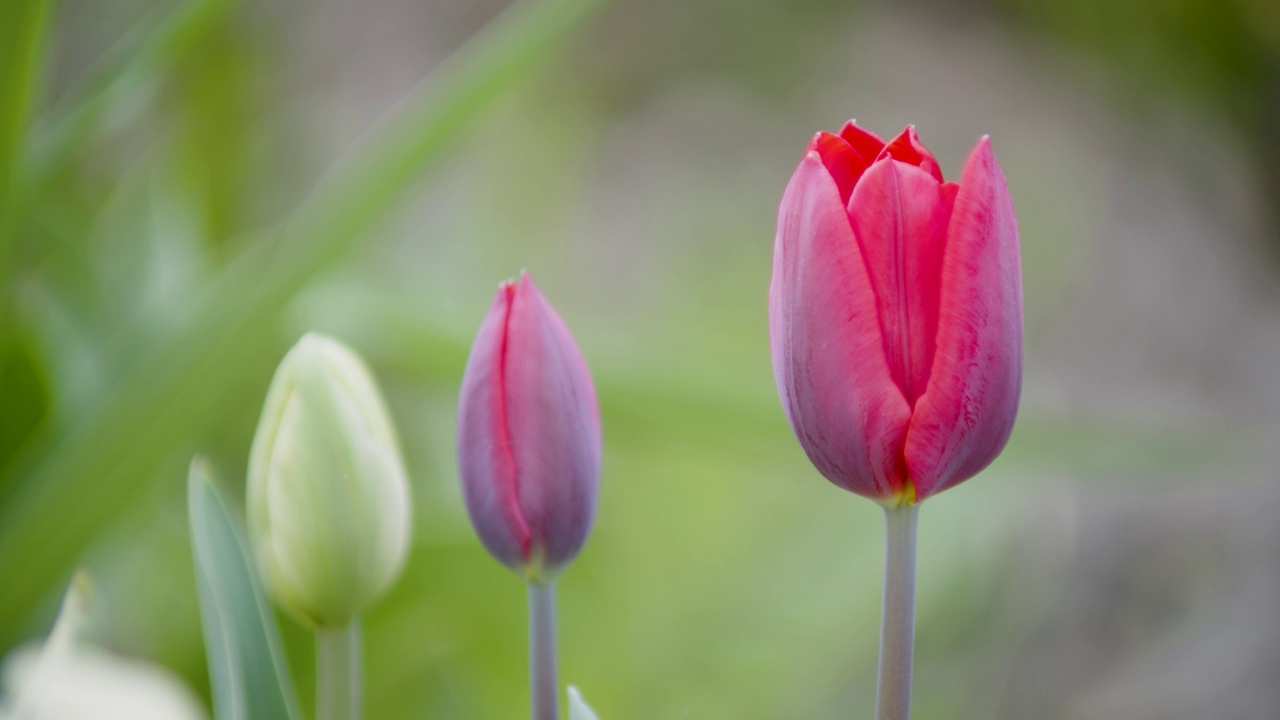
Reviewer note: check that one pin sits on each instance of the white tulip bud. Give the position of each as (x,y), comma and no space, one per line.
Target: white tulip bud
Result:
(328,500)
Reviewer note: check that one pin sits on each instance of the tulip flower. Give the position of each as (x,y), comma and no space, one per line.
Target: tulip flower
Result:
(895,318)
(895,314)
(328,505)
(529,456)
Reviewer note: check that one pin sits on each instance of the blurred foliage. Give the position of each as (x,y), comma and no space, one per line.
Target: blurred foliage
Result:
(1223,56)
(168,226)
(202,343)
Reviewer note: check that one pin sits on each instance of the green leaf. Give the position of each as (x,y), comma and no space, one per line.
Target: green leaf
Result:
(247,667)
(22,37)
(578,708)
(26,396)
(22,40)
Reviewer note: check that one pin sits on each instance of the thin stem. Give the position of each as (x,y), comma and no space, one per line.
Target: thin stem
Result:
(338,681)
(543,685)
(898,617)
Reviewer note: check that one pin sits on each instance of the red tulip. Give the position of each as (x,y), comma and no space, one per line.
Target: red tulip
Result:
(895,314)
(528,435)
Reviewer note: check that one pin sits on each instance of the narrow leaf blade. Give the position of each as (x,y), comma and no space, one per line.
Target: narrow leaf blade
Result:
(247,667)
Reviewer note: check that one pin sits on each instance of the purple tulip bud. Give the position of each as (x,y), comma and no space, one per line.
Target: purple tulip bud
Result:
(528,435)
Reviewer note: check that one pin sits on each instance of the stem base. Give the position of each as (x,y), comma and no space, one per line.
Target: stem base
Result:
(898,616)
(338,680)
(543,685)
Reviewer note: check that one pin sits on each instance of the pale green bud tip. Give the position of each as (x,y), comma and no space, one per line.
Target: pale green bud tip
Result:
(578,708)
(66,678)
(328,501)
(72,624)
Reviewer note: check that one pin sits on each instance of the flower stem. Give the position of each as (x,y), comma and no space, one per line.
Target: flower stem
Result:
(542,651)
(897,619)
(338,680)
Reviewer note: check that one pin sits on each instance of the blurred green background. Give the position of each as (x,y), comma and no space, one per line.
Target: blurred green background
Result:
(187,187)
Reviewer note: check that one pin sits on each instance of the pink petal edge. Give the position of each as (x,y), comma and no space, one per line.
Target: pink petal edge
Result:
(828,355)
(966,414)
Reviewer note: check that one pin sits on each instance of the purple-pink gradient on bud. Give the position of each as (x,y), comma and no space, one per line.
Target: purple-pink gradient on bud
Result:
(895,314)
(528,435)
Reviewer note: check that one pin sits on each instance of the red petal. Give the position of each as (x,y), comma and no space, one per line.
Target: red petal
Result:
(908,148)
(486,464)
(824,334)
(864,142)
(900,214)
(964,418)
(844,164)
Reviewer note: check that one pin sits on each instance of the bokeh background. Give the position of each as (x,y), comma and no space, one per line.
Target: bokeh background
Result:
(187,187)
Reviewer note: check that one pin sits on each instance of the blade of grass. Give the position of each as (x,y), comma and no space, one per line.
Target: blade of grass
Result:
(67,494)
(247,668)
(22,38)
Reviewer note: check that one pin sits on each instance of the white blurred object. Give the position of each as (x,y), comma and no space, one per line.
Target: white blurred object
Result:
(66,680)
(578,708)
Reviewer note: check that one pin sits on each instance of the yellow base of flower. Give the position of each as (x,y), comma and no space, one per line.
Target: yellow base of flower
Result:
(905,498)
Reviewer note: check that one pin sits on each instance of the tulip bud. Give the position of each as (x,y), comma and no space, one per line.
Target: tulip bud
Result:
(328,502)
(528,435)
(895,314)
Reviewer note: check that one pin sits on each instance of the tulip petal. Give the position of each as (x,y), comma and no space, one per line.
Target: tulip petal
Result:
(864,142)
(553,416)
(486,463)
(841,160)
(908,149)
(828,355)
(966,414)
(899,214)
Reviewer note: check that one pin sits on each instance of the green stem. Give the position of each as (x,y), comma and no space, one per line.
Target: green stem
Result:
(338,680)
(897,619)
(543,686)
